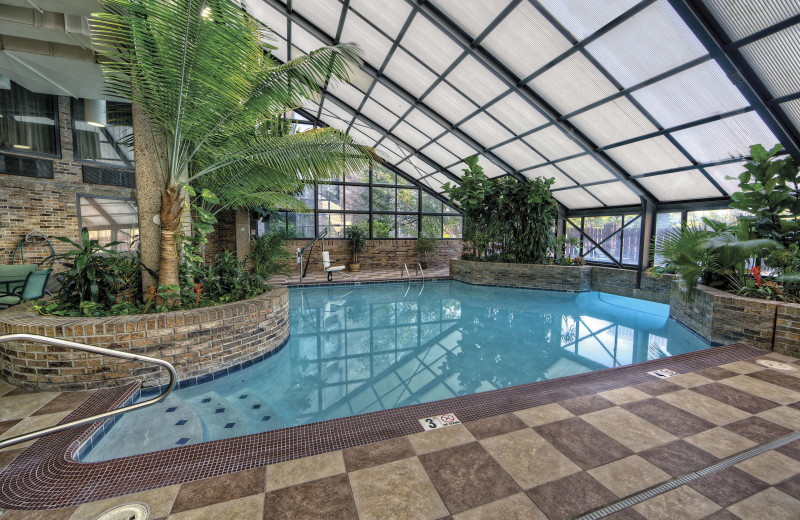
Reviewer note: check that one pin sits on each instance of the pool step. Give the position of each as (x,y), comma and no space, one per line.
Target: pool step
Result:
(258,415)
(168,424)
(220,418)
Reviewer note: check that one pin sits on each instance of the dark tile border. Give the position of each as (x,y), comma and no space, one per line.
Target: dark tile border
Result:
(46,476)
(364,282)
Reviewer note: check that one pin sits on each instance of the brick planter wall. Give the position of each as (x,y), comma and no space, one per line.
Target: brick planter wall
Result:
(528,276)
(787,330)
(622,282)
(380,254)
(198,342)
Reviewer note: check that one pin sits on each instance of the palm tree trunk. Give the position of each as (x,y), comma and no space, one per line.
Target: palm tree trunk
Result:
(171,210)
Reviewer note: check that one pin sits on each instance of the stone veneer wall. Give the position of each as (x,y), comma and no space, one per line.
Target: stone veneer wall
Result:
(528,276)
(47,205)
(380,254)
(787,330)
(622,282)
(197,342)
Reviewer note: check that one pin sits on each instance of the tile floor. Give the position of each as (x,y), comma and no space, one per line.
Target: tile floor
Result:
(549,462)
(316,276)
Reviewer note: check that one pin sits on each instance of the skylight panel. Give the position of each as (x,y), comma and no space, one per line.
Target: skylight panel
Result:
(490,169)
(612,122)
(439,155)
(374,44)
(448,103)
(388,154)
(424,124)
(548,171)
(476,81)
(614,194)
(485,130)
(583,17)
(410,135)
(380,115)
(408,73)
(792,109)
(518,155)
(585,169)
(553,143)
(304,40)
(776,60)
(577,198)
(347,93)
(361,138)
(268,15)
(572,84)
(649,155)
(471,15)
(456,146)
(433,47)
(727,138)
(322,13)
(654,41)
(388,15)
(741,18)
(336,110)
(721,172)
(367,130)
(699,92)
(525,40)
(389,99)
(688,185)
(516,113)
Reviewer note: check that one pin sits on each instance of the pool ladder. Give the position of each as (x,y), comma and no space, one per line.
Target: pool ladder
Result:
(417,269)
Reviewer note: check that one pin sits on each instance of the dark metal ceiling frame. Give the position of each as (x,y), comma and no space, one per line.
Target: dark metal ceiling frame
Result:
(713,37)
(336,40)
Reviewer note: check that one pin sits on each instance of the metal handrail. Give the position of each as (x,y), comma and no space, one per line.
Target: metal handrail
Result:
(173,377)
(408,273)
(421,272)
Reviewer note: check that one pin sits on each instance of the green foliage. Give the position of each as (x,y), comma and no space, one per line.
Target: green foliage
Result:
(427,246)
(504,220)
(357,237)
(559,248)
(268,256)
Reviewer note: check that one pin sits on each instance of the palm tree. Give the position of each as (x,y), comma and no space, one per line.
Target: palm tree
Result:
(199,70)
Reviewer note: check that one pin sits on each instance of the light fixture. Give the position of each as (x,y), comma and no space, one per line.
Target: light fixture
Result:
(95,112)
(22,147)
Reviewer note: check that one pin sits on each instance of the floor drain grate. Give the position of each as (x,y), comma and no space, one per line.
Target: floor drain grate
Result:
(776,365)
(641,496)
(135,511)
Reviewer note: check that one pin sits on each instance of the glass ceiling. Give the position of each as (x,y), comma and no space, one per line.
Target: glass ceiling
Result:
(618,100)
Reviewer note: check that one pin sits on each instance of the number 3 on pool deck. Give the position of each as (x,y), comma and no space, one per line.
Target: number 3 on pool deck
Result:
(431,423)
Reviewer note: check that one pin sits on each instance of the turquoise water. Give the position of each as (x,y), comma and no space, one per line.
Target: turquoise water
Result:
(359,349)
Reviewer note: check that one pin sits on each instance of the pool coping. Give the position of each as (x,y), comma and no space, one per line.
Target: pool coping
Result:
(46,476)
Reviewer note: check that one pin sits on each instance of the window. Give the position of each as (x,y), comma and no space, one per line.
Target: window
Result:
(666,223)
(603,230)
(110,220)
(110,144)
(28,122)
(618,235)
(728,216)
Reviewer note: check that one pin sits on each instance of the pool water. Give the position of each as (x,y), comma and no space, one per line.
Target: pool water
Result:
(358,349)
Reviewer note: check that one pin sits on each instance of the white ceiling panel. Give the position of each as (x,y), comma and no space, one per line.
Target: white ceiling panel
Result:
(585,169)
(722,172)
(374,44)
(408,73)
(612,122)
(518,155)
(576,198)
(572,84)
(548,171)
(516,113)
(553,143)
(380,115)
(726,139)
(456,146)
(485,130)
(448,103)
(424,124)
(614,194)
(473,15)
(650,155)
(433,47)
(476,81)
(583,17)
(688,185)
(388,15)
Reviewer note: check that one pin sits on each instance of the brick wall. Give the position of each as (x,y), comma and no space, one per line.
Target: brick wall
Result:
(622,282)
(787,330)
(197,342)
(47,205)
(224,236)
(529,276)
(380,254)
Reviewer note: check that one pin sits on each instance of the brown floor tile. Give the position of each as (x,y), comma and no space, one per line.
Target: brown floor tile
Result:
(377,453)
(753,385)
(628,475)
(246,508)
(716,373)
(658,387)
(784,415)
(758,429)
(570,496)
(7,425)
(65,402)
(778,378)
(7,456)
(722,514)
(201,493)
(328,498)
(771,504)
(790,450)
(733,397)
(516,506)
(683,503)
(160,501)
(791,486)
(497,425)
(669,418)
(20,406)
(467,477)
(678,458)
(19,391)
(626,514)
(586,404)
(46,514)
(771,467)
(584,444)
(728,486)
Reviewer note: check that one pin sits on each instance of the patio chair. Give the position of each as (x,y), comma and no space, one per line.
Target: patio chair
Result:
(32,289)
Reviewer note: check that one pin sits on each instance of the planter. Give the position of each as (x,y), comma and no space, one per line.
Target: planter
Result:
(199,342)
(354,267)
(423,264)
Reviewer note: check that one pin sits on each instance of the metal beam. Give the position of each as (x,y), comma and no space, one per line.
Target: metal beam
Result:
(707,30)
(336,39)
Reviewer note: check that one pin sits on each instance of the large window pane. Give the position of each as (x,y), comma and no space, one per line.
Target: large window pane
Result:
(307,196)
(432,227)
(631,241)
(274,221)
(334,222)
(448,209)
(728,216)
(407,200)
(381,175)
(361,220)
(452,227)
(572,232)
(357,176)
(356,198)
(302,224)
(383,199)
(383,226)
(104,144)
(111,220)
(407,226)
(600,229)
(665,222)
(331,197)
(28,121)
(430,204)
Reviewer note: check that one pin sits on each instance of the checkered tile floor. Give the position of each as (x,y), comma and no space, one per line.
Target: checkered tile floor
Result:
(549,462)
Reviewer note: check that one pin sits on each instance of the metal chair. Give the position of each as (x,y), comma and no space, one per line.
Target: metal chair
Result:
(33,288)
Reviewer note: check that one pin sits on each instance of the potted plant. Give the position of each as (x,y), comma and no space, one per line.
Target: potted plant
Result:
(427,247)
(357,237)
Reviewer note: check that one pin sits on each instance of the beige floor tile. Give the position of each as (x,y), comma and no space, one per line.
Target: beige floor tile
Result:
(297,471)
(704,407)
(690,380)
(624,395)
(628,475)
(5,388)
(774,393)
(160,501)
(742,367)
(720,442)
(247,508)
(544,414)
(628,429)
(21,406)
(781,357)
(783,415)
(771,467)
(771,503)
(435,440)
(683,503)
(528,458)
(515,507)
(29,424)
(400,490)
